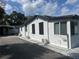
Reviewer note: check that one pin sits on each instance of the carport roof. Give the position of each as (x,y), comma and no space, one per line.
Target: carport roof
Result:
(7,26)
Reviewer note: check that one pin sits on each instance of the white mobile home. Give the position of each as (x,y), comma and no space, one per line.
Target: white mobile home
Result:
(62,31)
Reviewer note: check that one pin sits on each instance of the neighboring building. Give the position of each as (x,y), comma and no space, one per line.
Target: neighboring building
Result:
(5,30)
(8,30)
(62,31)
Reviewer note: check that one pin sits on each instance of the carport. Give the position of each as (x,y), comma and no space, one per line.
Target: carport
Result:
(4,30)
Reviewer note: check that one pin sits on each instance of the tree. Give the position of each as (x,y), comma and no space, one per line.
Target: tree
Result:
(14,18)
(17,18)
(6,20)
(2,12)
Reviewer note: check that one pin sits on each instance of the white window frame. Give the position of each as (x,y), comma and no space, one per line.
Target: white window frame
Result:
(59,28)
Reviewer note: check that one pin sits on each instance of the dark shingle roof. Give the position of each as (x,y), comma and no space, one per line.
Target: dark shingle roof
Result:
(52,18)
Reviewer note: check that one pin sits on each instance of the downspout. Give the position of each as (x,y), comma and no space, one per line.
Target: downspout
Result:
(48,30)
(70,40)
(69,34)
(25,30)
(28,30)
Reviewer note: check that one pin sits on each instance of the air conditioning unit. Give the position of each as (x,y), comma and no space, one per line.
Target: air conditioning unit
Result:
(45,41)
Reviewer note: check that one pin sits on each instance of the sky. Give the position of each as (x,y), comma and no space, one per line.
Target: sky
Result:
(43,7)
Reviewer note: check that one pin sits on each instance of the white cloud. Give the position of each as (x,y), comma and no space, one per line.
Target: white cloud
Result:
(50,8)
(6,0)
(31,7)
(38,3)
(9,0)
(71,1)
(8,7)
(28,8)
(13,0)
(22,2)
(77,6)
(76,11)
(65,11)
(69,11)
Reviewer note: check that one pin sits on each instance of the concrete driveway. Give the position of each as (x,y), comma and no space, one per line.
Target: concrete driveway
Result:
(12,47)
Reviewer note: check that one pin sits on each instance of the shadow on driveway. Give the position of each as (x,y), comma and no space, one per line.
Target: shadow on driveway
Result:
(28,51)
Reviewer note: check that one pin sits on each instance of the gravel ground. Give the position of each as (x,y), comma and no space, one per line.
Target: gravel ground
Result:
(11,47)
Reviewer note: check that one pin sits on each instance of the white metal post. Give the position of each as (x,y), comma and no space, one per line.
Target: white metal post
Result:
(69,34)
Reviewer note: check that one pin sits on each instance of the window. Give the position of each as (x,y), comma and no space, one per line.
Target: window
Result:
(33,28)
(60,28)
(25,27)
(56,28)
(74,26)
(41,29)
(63,28)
